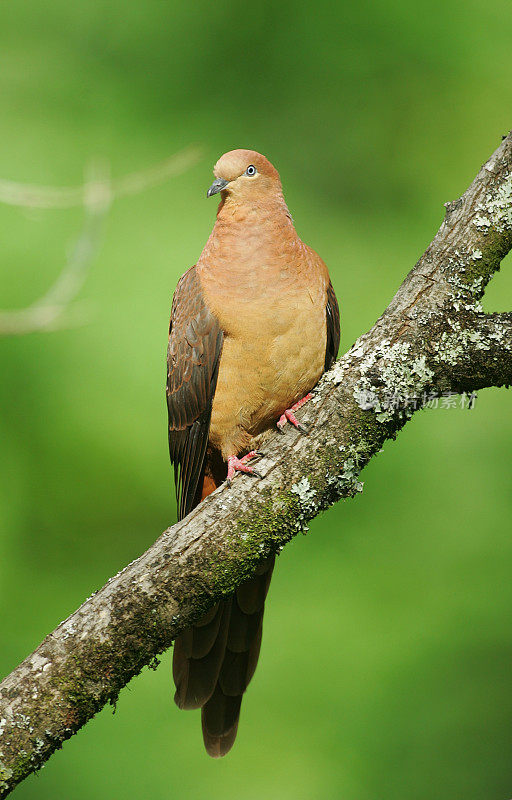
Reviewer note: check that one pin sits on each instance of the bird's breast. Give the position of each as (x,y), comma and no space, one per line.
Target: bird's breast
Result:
(268,292)
(261,293)
(273,353)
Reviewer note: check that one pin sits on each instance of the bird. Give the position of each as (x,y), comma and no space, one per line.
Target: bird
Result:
(254,324)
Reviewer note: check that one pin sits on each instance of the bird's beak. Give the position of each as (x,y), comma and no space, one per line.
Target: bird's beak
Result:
(217,186)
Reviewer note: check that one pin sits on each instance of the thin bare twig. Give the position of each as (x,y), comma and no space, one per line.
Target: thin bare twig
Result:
(33,196)
(56,309)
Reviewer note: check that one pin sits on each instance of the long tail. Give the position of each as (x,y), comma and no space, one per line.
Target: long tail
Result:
(214,660)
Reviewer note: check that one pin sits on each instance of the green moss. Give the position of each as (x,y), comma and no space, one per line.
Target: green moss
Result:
(10,776)
(21,768)
(258,536)
(5,776)
(363,428)
(476,273)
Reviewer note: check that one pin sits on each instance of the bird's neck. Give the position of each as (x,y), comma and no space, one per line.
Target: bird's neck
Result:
(248,232)
(258,214)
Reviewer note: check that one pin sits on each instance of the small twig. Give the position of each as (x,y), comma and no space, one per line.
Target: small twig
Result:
(55,309)
(33,196)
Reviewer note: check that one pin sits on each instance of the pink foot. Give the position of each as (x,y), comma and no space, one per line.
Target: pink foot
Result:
(289,415)
(240,465)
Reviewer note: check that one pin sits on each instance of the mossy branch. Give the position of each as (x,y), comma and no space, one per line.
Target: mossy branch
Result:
(432,338)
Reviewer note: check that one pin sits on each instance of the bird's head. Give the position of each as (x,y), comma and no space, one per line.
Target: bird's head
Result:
(245,176)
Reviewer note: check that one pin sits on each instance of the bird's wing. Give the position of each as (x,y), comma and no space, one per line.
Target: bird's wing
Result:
(193,354)
(333,328)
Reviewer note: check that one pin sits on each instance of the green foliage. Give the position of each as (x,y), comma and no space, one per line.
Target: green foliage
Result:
(385,668)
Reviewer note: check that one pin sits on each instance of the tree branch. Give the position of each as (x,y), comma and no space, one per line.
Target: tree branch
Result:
(477,351)
(432,338)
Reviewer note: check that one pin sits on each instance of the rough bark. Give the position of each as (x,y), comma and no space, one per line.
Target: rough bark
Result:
(433,338)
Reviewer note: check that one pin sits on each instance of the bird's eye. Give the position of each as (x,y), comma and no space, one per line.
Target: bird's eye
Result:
(251,170)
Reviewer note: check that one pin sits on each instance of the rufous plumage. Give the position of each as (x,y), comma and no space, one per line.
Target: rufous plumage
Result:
(254,324)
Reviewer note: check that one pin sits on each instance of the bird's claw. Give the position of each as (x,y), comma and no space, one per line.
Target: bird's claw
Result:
(289,416)
(236,464)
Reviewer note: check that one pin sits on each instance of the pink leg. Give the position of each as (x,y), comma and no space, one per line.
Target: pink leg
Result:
(240,465)
(289,415)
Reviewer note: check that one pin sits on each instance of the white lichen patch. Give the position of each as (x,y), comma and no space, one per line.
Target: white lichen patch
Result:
(501,335)
(500,206)
(38,662)
(38,748)
(307,502)
(306,494)
(482,223)
(496,209)
(68,628)
(335,374)
(452,347)
(23,722)
(339,369)
(346,482)
(399,380)
(465,295)
(357,349)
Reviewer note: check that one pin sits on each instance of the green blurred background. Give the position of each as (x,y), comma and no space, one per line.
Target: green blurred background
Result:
(387,653)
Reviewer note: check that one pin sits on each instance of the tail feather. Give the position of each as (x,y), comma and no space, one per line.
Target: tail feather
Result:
(243,628)
(238,668)
(197,642)
(196,677)
(252,593)
(215,659)
(220,714)
(219,718)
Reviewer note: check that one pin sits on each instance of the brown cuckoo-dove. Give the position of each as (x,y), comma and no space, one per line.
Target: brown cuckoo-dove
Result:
(254,324)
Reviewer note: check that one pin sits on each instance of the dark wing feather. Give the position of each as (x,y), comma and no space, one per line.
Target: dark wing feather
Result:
(333,328)
(193,354)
